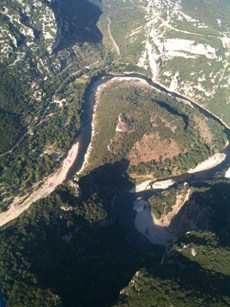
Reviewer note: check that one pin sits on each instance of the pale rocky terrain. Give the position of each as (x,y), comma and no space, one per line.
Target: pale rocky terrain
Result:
(185,47)
(17,28)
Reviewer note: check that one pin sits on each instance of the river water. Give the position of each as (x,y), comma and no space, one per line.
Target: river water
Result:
(123,204)
(2,304)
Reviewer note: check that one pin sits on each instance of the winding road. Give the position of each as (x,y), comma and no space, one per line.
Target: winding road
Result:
(112,39)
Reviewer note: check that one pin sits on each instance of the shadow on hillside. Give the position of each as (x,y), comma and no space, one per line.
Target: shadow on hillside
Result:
(78,249)
(110,180)
(189,282)
(76,20)
(92,268)
(206,211)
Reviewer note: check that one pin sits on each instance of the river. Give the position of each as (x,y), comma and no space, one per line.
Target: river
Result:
(125,211)
(90,100)
(2,304)
(123,204)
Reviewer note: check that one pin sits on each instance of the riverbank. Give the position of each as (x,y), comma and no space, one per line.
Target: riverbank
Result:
(165,184)
(50,183)
(98,89)
(158,231)
(209,163)
(227,174)
(150,185)
(145,224)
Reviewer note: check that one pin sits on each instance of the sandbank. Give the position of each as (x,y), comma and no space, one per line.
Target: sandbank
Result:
(144,223)
(227,174)
(50,184)
(211,162)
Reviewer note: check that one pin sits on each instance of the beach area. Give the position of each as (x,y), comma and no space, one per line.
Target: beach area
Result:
(227,174)
(165,184)
(211,162)
(49,185)
(158,231)
(145,224)
(99,87)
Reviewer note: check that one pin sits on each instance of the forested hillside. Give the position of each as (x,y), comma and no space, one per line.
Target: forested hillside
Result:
(195,270)
(73,247)
(158,135)
(45,47)
(70,248)
(12,109)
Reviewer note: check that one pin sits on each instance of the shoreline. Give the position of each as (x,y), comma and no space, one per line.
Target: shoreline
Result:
(227,174)
(93,128)
(150,185)
(59,176)
(211,162)
(145,224)
(158,231)
(49,185)
(189,100)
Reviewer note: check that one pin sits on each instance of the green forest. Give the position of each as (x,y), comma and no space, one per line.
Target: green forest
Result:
(79,246)
(12,109)
(150,118)
(196,263)
(60,251)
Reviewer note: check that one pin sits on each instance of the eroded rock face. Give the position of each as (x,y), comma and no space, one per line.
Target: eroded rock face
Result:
(183,45)
(36,34)
(26,23)
(188,51)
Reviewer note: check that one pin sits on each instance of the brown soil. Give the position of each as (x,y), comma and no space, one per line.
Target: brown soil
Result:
(141,177)
(151,147)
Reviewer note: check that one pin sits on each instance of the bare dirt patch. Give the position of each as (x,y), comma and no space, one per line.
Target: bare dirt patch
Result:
(138,177)
(151,147)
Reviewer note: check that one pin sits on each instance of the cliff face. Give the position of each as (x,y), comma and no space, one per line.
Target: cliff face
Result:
(76,22)
(182,44)
(36,33)
(26,24)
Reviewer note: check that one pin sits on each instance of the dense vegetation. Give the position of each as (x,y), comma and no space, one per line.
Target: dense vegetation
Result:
(196,270)
(12,109)
(37,131)
(70,248)
(60,252)
(147,119)
(162,202)
(142,37)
